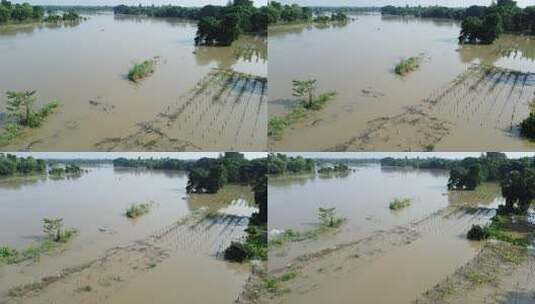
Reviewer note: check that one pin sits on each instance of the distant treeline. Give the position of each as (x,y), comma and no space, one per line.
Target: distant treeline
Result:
(430,11)
(283,14)
(280,164)
(217,25)
(345,9)
(12,165)
(50,9)
(25,12)
(422,163)
(155,164)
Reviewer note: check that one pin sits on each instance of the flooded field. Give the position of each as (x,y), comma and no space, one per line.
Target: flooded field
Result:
(460,98)
(406,251)
(84,67)
(114,259)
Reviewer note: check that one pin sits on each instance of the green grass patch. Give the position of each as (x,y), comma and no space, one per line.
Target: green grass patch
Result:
(141,70)
(399,203)
(498,230)
(137,210)
(406,66)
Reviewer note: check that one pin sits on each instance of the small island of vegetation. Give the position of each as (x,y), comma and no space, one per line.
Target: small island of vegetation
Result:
(337,169)
(137,210)
(399,203)
(406,66)
(141,70)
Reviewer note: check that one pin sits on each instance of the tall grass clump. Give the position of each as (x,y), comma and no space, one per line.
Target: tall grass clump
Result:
(406,66)
(141,70)
(399,203)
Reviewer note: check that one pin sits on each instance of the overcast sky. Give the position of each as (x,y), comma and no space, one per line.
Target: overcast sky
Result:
(455,3)
(113,155)
(451,155)
(133,2)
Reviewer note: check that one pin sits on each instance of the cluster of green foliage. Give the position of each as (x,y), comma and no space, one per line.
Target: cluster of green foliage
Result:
(425,12)
(255,245)
(141,70)
(406,66)
(281,164)
(208,175)
(137,210)
(69,16)
(221,25)
(328,222)
(527,126)
(56,235)
(333,17)
(69,169)
(24,12)
(304,90)
(336,169)
(499,17)
(12,165)
(20,106)
(399,203)
(278,13)
(462,178)
(497,230)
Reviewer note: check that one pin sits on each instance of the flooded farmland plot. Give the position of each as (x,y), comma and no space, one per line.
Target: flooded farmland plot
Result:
(197,98)
(407,251)
(461,97)
(173,253)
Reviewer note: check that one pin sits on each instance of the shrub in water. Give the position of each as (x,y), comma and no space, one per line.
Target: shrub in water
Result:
(477,233)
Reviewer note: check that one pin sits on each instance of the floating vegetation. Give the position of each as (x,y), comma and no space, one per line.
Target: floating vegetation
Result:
(304,91)
(399,203)
(408,65)
(137,210)
(142,70)
(225,110)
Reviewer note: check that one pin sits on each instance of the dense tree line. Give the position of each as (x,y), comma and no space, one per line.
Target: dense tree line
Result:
(337,168)
(280,164)
(12,165)
(490,22)
(208,175)
(156,164)
(278,13)
(217,25)
(19,12)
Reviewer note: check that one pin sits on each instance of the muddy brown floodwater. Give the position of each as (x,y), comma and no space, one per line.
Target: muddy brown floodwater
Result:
(451,101)
(405,252)
(173,252)
(84,67)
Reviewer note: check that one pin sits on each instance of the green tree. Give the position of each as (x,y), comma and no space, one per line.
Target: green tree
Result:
(305,89)
(53,228)
(20,104)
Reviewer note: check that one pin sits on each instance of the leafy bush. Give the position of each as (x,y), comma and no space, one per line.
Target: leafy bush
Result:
(237,252)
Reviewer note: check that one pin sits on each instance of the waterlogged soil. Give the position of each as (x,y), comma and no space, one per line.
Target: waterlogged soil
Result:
(84,67)
(114,259)
(406,252)
(375,109)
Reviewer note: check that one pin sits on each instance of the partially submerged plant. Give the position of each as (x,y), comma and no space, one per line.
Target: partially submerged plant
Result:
(141,70)
(406,66)
(136,210)
(399,203)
